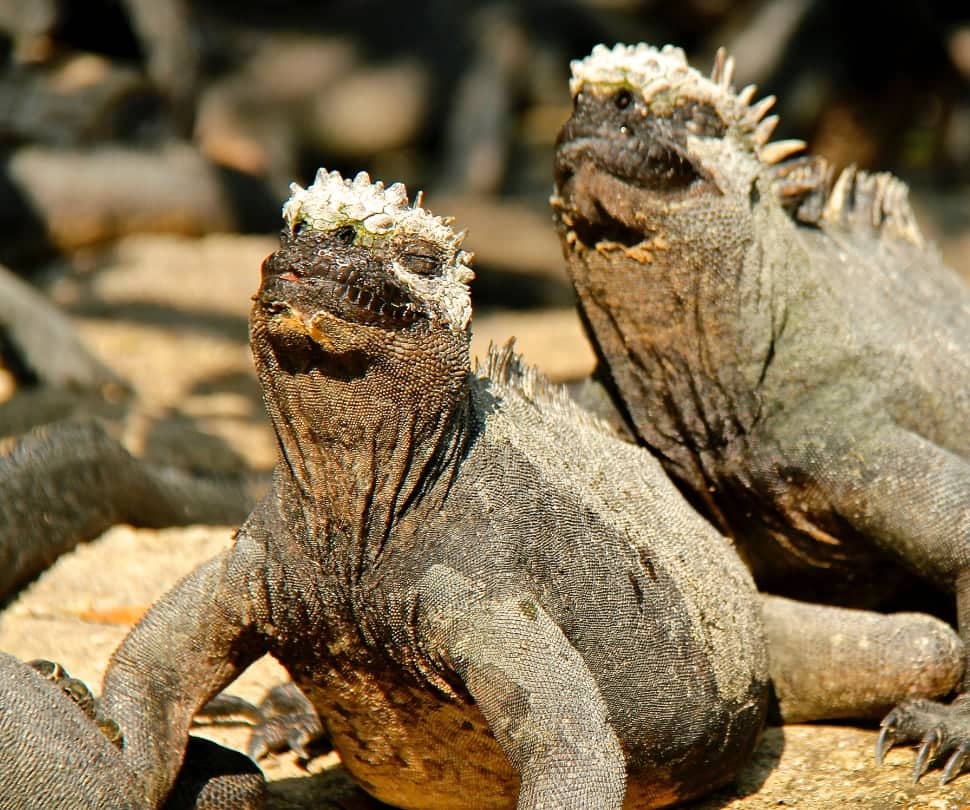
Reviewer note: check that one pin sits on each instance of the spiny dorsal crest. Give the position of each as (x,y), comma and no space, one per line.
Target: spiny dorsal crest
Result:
(385,214)
(504,366)
(855,200)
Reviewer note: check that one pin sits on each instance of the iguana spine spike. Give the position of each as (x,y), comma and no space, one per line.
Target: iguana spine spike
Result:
(723,71)
(765,130)
(776,151)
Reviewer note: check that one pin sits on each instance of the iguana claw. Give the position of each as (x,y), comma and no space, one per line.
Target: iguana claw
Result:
(929,746)
(886,740)
(940,730)
(288,721)
(955,763)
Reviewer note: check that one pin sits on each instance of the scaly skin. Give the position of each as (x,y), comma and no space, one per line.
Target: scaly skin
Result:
(64,475)
(790,349)
(60,751)
(443,564)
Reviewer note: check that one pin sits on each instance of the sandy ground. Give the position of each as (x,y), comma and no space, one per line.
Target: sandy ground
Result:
(170,315)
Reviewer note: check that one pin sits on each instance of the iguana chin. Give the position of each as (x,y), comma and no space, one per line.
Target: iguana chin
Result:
(789,347)
(490,600)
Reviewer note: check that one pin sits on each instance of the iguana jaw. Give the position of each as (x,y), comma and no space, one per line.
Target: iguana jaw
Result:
(621,169)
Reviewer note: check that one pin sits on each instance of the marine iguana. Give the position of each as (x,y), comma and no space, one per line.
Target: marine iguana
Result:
(64,475)
(789,347)
(489,598)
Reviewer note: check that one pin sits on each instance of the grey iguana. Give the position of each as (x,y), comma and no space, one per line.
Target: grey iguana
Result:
(490,599)
(487,597)
(65,476)
(790,348)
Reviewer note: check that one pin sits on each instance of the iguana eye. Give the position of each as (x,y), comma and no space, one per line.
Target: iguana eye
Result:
(424,264)
(345,235)
(623,99)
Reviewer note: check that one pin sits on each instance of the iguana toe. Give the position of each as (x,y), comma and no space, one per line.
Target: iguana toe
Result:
(940,730)
(289,723)
(955,763)
(886,740)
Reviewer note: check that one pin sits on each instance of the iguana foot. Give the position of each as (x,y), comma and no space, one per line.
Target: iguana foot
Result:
(285,720)
(289,722)
(942,731)
(82,696)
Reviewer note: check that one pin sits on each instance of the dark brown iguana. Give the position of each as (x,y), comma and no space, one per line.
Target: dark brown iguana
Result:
(789,347)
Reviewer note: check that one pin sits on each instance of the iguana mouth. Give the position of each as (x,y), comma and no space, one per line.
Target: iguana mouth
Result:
(359,294)
(592,169)
(605,229)
(651,164)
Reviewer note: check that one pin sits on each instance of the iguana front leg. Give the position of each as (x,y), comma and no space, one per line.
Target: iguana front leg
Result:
(534,689)
(912,499)
(188,647)
(829,663)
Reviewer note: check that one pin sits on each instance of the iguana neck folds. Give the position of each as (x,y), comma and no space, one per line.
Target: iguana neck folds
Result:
(359,333)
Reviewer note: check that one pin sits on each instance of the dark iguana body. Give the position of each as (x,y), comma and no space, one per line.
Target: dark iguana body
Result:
(791,350)
(442,565)
(65,476)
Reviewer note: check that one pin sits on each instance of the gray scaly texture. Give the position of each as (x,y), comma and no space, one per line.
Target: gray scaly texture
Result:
(489,599)
(786,344)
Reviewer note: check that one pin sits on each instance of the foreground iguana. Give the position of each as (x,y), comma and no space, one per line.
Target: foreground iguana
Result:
(790,348)
(484,593)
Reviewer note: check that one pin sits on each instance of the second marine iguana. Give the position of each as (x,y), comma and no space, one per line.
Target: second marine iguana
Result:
(788,346)
(490,600)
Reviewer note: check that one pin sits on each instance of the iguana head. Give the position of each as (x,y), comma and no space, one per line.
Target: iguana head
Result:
(363,275)
(665,187)
(652,143)
(359,332)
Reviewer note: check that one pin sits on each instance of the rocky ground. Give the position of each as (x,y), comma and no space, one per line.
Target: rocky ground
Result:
(170,315)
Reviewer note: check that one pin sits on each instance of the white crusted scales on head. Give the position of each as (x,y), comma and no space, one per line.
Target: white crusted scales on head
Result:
(640,66)
(380,212)
(663,73)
